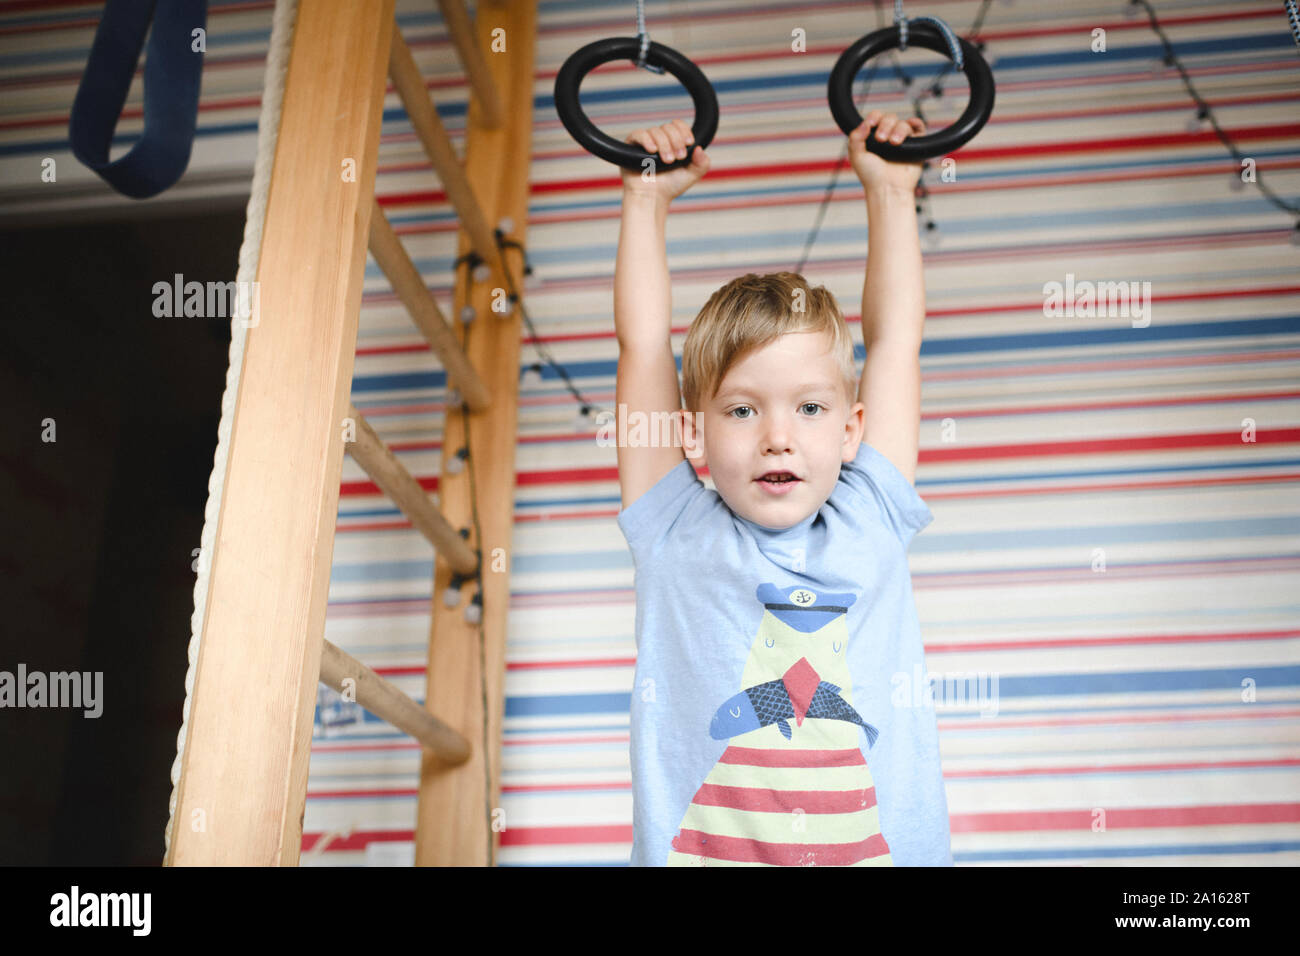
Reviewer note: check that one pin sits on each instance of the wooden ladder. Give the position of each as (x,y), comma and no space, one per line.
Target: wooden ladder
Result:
(243,781)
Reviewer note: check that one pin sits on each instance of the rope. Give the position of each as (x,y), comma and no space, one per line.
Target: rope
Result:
(645,39)
(268,126)
(1293,17)
(954,48)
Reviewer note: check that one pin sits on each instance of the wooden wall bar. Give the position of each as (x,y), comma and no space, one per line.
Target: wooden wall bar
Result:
(386,701)
(409,85)
(461,30)
(244,771)
(392,478)
(408,285)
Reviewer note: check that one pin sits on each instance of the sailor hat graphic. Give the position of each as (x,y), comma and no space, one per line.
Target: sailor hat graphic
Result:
(802,608)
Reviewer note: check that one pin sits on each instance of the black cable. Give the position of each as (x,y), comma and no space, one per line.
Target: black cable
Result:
(516,299)
(1204,112)
(830,186)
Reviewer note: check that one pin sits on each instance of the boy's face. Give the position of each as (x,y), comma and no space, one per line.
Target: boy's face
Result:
(781,408)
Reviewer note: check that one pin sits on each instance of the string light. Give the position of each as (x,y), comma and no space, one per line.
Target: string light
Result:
(1195,123)
(533,374)
(1205,113)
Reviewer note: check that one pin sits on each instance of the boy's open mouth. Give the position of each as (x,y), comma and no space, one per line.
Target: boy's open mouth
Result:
(778,481)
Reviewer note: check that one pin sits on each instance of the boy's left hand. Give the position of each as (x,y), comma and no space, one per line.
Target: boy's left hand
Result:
(871,169)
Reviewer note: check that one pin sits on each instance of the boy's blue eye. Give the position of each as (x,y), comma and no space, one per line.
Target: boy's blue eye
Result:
(738,408)
(814,406)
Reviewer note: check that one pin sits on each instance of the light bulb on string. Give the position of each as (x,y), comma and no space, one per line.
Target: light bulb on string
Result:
(932,237)
(511,301)
(532,376)
(580,420)
(474,610)
(456,464)
(1197,121)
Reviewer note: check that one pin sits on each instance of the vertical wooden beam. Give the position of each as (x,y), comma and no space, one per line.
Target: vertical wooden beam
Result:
(244,769)
(453,825)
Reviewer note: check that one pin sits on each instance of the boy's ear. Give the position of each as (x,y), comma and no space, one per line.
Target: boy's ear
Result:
(690,427)
(855,430)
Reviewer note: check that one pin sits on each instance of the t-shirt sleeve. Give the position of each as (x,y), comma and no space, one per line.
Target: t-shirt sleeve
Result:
(648,519)
(874,483)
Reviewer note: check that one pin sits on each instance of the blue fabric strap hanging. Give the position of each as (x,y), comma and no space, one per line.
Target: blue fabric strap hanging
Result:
(172,69)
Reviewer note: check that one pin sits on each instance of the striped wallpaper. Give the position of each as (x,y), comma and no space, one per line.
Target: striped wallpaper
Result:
(1117,525)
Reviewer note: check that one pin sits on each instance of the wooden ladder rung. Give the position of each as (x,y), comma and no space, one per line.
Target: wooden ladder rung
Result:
(482,86)
(437,144)
(423,308)
(379,462)
(385,701)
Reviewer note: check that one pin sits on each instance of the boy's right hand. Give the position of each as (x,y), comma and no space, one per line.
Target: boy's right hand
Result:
(671,141)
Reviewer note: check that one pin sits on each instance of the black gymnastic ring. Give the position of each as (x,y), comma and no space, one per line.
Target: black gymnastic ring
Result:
(629,155)
(915,148)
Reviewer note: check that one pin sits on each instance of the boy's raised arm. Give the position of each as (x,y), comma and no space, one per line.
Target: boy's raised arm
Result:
(893,295)
(647,383)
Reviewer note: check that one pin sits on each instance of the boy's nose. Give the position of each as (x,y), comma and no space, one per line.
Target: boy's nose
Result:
(777,436)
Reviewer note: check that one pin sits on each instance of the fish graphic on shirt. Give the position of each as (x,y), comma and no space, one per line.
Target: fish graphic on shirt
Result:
(798,694)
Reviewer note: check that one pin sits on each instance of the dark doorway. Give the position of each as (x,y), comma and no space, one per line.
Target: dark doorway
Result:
(97,527)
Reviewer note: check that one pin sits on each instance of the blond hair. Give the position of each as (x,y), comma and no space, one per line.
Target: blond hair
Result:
(748,313)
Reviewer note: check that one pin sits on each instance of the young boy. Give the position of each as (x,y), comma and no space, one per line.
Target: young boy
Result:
(773,719)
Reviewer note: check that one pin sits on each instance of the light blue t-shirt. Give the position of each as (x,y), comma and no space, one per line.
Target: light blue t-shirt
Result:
(774,718)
